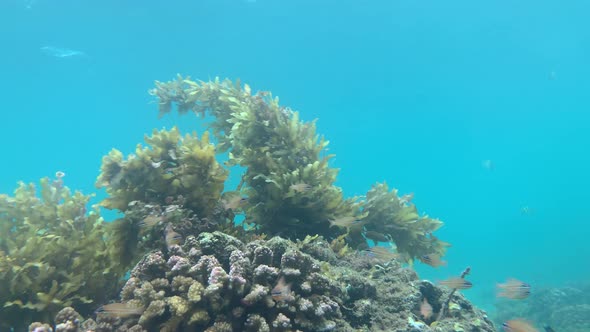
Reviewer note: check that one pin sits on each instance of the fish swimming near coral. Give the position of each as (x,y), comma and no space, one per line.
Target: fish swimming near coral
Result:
(120,310)
(514,289)
(234,202)
(425,309)
(282,291)
(300,187)
(518,325)
(382,254)
(149,221)
(348,222)
(456,283)
(172,238)
(377,237)
(433,260)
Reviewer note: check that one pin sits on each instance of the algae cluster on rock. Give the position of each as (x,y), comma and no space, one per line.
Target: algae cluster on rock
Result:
(170,166)
(52,253)
(192,274)
(173,184)
(281,152)
(289,184)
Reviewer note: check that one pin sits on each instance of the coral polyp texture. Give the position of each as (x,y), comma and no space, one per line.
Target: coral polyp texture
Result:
(215,282)
(52,254)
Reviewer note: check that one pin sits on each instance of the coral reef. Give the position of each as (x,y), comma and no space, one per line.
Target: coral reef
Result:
(52,254)
(194,269)
(215,282)
(564,309)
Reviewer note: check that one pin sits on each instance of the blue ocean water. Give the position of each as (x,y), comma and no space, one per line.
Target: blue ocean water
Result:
(415,93)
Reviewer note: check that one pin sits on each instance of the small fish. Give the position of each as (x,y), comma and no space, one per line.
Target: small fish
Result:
(347,222)
(488,164)
(526,210)
(548,328)
(172,154)
(157,164)
(377,237)
(61,52)
(300,187)
(433,260)
(282,291)
(149,221)
(425,309)
(172,237)
(382,254)
(456,283)
(234,202)
(120,310)
(518,325)
(59,174)
(514,289)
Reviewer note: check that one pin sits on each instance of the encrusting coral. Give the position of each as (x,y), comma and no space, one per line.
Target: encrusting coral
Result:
(52,254)
(215,282)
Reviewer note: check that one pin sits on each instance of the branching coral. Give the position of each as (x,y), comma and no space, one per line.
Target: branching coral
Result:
(52,253)
(289,184)
(398,219)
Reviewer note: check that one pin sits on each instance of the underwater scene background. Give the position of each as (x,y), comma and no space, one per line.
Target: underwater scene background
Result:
(479,109)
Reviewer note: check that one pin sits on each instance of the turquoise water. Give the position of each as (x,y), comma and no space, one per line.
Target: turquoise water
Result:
(415,93)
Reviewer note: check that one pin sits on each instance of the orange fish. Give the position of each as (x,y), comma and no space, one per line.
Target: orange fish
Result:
(514,289)
(518,325)
(425,309)
(282,291)
(433,260)
(121,310)
(456,283)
